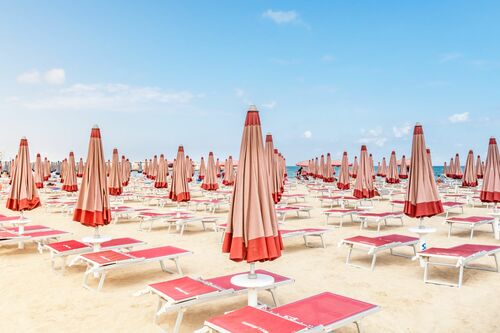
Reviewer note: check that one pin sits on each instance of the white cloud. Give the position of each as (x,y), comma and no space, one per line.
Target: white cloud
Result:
(55,76)
(239,92)
(270,105)
(447,57)
(328,58)
(374,136)
(281,17)
(307,134)
(30,77)
(401,131)
(107,96)
(459,117)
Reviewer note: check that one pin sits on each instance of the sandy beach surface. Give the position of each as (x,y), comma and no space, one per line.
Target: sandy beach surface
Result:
(36,298)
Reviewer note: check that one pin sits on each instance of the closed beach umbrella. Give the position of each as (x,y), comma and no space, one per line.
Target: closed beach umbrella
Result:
(153,168)
(252,230)
(145,171)
(344,182)
(458,168)
(280,175)
(179,189)
(470,175)
(422,199)
(189,169)
(328,174)
(202,171)
(372,168)
(210,181)
(321,170)
(451,169)
(92,208)
(228,172)
(161,179)
(23,193)
(379,169)
(271,168)
(79,173)
(403,168)
(479,168)
(445,169)
(70,183)
(39,172)
(392,172)
(355,167)
(64,168)
(115,176)
(490,191)
(363,187)
(217,168)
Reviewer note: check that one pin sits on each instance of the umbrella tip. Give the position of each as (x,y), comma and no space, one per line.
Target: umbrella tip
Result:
(23,138)
(418,124)
(95,126)
(252,108)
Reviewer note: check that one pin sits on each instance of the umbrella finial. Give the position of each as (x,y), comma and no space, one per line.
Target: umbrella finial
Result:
(95,126)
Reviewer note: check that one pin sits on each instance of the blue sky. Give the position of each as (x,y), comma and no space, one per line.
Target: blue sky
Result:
(326,76)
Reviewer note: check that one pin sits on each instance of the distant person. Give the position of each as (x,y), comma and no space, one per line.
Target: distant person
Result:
(438,180)
(298,173)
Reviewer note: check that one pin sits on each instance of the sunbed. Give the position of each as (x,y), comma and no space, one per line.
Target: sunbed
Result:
(450,205)
(470,222)
(366,217)
(323,312)
(458,257)
(103,261)
(179,295)
(306,233)
(40,237)
(374,245)
(340,213)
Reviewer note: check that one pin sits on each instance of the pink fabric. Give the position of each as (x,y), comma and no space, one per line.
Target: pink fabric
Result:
(70,182)
(115,176)
(363,187)
(458,168)
(210,179)
(271,168)
(344,181)
(179,190)
(252,230)
(161,179)
(403,169)
(39,172)
(470,174)
(490,191)
(479,168)
(392,173)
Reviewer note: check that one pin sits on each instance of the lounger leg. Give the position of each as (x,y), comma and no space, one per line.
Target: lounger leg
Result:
(178,266)
(460,275)
(358,326)
(426,270)
(449,228)
(374,259)
(63,265)
(101,280)
(178,321)
(322,241)
(471,231)
(348,259)
(272,291)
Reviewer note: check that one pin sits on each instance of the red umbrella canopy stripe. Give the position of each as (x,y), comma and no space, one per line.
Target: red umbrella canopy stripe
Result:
(23,193)
(92,208)
(252,230)
(422,199)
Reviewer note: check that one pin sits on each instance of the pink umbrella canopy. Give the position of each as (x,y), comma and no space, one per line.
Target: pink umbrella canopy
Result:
(479,168)
(490,191)
(363,187)
(202,172)
(39,172)
(92,208)
(127,169)
(392,173)
(229,172)
(403,168)
(252,230)
(189,169)
(153,168)
(46,169)
(422,199)
(470,175)
(70,183)
(355,167)
(278,165)
(328,174)
(317,172)
(23,193)
(210,181)
(344,182)
(79,173)
(458,168)
(379,169)
(451,169)
(123,170)
(115,176)
(145,170)
(272,170)
(321,171)
(161,179)
(64,168)
(383,171)
(217,168)
(179,189)
(445,169)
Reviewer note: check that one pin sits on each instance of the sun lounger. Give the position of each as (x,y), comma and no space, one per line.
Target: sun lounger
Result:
(340,213)
(374,245)
(27,228)
(180,294)
(306,233)
(323,312)
(73,247)
(181,222)
(282,211)
(103,261)
(397,204)
(296,197)
(40,237)
(470,222)
(366,217)
(458,257)
(339,200)
(450,205)
(151,217)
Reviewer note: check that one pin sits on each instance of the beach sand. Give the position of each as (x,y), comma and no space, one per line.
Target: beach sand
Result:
(38,299)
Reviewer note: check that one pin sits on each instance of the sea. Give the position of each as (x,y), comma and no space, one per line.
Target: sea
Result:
(292,169)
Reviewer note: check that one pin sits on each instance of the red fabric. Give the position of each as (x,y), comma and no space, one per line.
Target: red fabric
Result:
(227,183)
(70,188)
(181,197)
(392,180)
(276,197)
(39,185)
(24,204)
(403,176)
(69,245)
(120,242)
(424,209)
(341,186)
(364,193)
(252,118)
(160,184)
(92,219)
(258,249)
(210,187)
(489,196)
(183,288)
(469,184)
(157,252)
(115,191)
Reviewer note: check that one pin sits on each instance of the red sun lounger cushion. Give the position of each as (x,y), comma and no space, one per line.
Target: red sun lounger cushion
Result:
(28,228)
(323,309)
(252,320)
(476,247)
(384,214)
(372,241)
(157,252)
(47,233)
(398,238)
(68,245)
(183,288)
(120,242)
(452,252)
(471,219)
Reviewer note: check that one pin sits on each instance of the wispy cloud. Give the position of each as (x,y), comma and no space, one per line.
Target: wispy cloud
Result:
(52,76)
(373,136)
(447,57)
(283,17)
(459,117)
(401,131)
(307,134)
(270,105)
(327,58)
(107,96)
(239,92)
